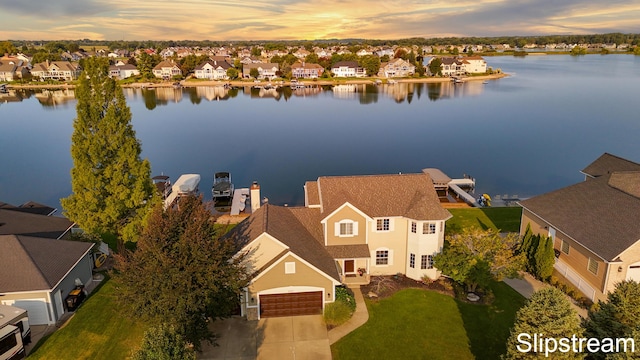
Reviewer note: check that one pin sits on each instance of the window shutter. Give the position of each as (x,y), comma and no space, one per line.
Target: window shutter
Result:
(355,228)
(390,257)
(337,229)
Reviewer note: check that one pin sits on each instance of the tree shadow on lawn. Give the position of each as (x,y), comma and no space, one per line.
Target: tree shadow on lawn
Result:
(506,219)
(488,326)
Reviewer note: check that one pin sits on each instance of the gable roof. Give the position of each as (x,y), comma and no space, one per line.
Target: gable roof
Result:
(214,63)
(30,207)
(33,263)
(345,63)
(286,225)
(164,64)
(601,214)
(608,163)
(14,222)
(409,195)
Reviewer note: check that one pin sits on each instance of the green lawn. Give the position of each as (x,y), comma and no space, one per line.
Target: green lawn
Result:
(488,326)
(505,219)
(422,324)
(97,331)
(412,324)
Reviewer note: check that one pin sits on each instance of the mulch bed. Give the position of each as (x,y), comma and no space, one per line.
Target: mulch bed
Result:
(386,286)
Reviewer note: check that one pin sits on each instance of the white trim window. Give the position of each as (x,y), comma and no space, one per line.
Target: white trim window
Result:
(346,228)
(414,227)
(593,266)
(412,261)
(383,224)
(564,247)
(426,262)
(428,228)
(382,257)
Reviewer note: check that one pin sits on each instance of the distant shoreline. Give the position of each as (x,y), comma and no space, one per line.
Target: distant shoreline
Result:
(241,83)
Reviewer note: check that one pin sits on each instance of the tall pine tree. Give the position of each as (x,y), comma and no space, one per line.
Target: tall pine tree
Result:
(111,185)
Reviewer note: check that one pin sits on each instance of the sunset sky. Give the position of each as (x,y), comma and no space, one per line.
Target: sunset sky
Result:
(304,19)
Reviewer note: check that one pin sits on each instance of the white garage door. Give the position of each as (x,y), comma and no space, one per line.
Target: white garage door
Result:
(633,273)
(36,309)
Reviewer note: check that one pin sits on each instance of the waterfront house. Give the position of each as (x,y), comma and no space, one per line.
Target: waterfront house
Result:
(594,225)
(56,70)
(265,70)
(451,66)
(300,70)
(350,227)
(348,69)
(213,69)
(123,71)
(166,70)
(474,65)
(396,68)
(10,71)
(32,219)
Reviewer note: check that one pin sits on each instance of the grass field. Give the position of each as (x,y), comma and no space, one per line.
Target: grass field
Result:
(412,324)
(504,219)
(97,331)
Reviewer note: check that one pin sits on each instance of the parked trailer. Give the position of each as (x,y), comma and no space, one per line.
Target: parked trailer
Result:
(14,332)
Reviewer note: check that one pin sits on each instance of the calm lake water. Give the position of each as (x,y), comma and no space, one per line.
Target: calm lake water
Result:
(526,134)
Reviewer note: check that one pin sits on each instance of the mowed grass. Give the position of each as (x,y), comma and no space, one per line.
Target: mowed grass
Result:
(99,330)
(488,326)
(412,324)
(503,219)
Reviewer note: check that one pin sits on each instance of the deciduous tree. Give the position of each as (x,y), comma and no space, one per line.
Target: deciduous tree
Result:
(548,312)
(111,185)
(182,272)
(475,256)
(435,66)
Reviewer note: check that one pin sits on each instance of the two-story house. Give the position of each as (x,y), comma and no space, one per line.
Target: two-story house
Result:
(265,70)
(594,225)
(56,70)
(213,69)
(396,68)
(474,65)
(300,70)
(351,227)
(348,69)
(166,70)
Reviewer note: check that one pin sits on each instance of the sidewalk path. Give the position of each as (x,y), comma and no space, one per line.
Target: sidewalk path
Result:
(360,316)
(528,285)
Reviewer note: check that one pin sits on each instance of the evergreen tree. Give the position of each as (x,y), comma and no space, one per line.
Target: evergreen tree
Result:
(182,272)
(547,312)
(112,189)
(435,66)
(618,317)
(544,258)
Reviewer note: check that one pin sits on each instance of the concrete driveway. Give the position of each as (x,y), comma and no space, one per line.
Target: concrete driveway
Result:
(294,337)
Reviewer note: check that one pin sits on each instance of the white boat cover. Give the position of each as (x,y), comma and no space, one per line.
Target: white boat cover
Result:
(187,183)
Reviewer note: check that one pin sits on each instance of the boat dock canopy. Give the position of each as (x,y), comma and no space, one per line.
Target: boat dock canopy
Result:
(187,183)
(439,178)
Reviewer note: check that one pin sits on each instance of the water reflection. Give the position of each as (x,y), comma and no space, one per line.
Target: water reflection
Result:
(364,93)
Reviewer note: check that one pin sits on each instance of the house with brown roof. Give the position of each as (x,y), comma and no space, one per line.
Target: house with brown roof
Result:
(33,219)
(350,227)
(213,69)
(303,70)
(594,225)
(56,70)
(166,70)
(38,274)
(396,68)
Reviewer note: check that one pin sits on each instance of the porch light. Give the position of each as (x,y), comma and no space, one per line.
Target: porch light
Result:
(619,268)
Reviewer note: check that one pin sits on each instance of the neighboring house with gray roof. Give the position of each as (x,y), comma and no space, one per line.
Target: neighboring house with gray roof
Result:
(56,70)
(349,228)
(594,225)
(38,274)
(24,221)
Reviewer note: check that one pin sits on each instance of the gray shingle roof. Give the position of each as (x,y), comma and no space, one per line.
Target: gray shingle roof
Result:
(14,222)
(32,263)
(595,213)
(608,163)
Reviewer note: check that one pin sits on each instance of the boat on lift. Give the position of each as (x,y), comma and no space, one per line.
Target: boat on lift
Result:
(222,185)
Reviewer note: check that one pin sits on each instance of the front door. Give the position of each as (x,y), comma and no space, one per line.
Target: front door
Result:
(349,266)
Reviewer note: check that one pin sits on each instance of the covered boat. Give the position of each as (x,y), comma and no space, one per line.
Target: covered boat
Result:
(222,185)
